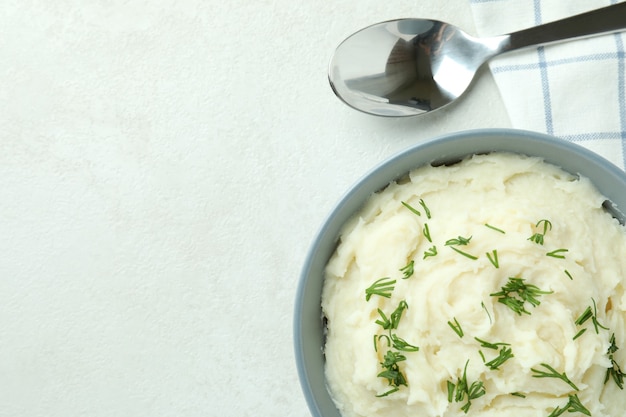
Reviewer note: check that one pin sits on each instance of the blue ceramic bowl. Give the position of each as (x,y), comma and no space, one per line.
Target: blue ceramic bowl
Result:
(308,326)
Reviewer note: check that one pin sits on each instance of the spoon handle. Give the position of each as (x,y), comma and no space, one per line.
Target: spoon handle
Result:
(607,19)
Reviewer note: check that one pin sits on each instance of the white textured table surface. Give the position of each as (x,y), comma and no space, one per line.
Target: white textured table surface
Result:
(163,170)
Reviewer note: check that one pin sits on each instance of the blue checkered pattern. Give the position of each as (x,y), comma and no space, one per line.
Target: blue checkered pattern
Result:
(574,90)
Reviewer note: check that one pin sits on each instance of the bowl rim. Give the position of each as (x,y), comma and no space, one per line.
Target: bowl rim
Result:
(603,174)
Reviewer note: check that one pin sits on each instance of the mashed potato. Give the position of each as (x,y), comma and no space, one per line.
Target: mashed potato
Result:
(492,287)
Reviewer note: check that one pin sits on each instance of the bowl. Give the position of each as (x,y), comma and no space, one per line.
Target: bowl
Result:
(308,326)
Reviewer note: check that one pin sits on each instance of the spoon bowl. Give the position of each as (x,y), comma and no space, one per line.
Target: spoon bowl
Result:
(407,67)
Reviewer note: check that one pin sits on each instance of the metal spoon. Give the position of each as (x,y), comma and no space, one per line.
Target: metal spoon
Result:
(408,67)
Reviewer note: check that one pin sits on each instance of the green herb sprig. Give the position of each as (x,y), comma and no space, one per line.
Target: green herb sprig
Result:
(489,345)
(467,255)
(432,251)
(495,228)
(425,207)
(553,373)
(504,355)
(456,327)
(580,333)
(402,345)
(464,391)
(377,339)
(393,340)
(557,253)
(460,241)
(573,405)
(411,208)
(516,293)
(426,232)
(392,322)
(408,270)
(614,372)
(397,314)
(391,372)
(493,258)
(391,369)
(382,287)
(592,314)
(539,237)
(482,304)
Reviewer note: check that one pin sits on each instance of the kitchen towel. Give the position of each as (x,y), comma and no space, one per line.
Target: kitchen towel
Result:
(573,90)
